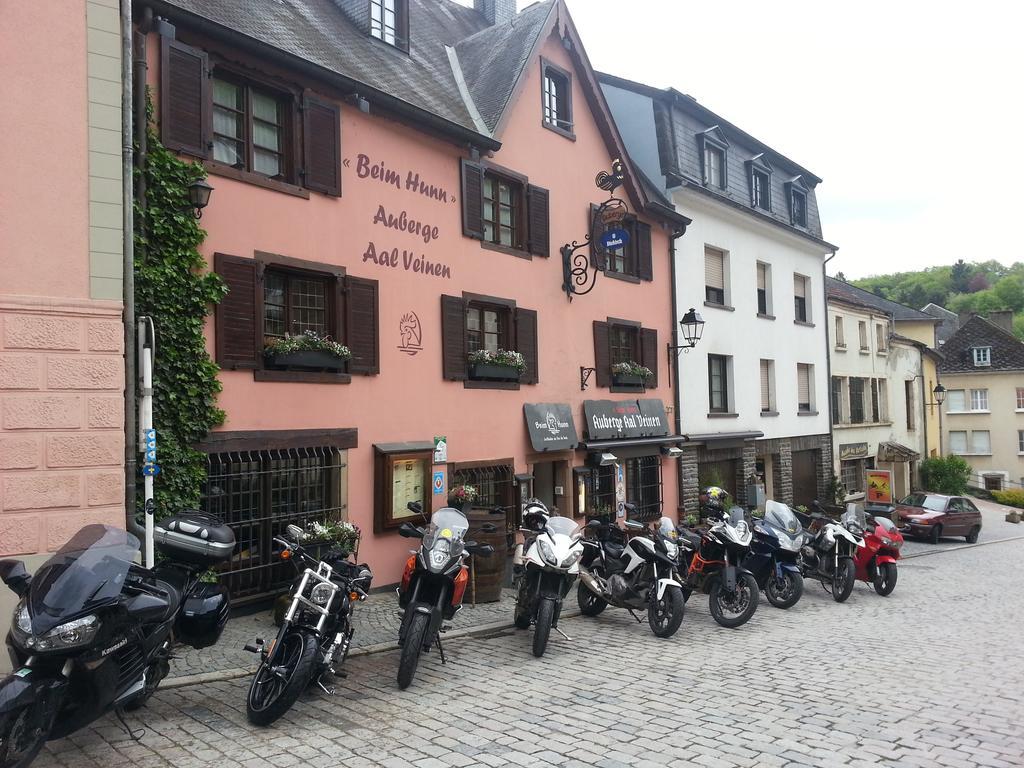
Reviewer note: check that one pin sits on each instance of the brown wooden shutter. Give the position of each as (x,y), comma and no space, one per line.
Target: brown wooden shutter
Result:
(597,257)
(321,122)
(238,316)
(540,221)
(362,310)
(649,354)
(602,355)
(184,98)
(453,338)
(644,256)
(526,343)
(472,199)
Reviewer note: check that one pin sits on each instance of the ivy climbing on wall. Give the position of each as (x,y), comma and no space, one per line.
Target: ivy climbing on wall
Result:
(174,287)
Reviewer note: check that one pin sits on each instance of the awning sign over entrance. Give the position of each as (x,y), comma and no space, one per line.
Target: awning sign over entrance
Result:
(617,419)
(550,426)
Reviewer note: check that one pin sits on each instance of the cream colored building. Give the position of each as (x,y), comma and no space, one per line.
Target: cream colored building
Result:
(983,420)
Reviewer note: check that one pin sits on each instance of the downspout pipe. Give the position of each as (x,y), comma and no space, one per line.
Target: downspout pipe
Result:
(673,362)
(128,269)
(828,364)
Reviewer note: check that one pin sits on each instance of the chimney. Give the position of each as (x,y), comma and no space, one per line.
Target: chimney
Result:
(496,11)
(1002,319)
(962,318)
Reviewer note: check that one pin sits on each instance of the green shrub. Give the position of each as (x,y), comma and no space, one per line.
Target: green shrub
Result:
(1011,498)
(948,474)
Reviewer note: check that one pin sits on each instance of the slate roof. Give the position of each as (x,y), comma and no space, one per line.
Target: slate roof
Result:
(949,321)
(323,33)
(838,289)
(1007,350)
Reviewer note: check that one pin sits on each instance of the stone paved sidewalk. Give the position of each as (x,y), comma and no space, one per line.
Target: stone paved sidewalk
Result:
(376,623)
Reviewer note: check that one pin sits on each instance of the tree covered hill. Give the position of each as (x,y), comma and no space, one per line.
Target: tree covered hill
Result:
(981,287)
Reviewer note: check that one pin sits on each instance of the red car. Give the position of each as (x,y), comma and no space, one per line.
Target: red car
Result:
(932,515)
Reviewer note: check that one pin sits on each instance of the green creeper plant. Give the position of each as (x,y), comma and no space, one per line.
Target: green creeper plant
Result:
(174,287)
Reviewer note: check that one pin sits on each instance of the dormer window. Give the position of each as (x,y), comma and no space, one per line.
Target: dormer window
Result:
(713,155)
(760,176)
(557,99)
(389,21)
(982,356)
(797,194)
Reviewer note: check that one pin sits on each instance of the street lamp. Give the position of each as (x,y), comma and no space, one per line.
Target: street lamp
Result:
(199,196)
(692,326)
(939,393)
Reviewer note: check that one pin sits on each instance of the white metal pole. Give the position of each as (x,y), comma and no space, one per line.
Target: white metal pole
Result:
(146,426)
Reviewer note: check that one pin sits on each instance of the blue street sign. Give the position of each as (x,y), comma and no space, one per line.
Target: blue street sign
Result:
(150,434)
(150,456)
(150,470)
(614,238)
(150,445)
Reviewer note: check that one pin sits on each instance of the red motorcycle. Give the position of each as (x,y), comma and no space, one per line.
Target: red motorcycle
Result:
(876,560)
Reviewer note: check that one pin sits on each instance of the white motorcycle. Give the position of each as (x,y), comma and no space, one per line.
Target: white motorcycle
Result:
(829,549)
(546,572)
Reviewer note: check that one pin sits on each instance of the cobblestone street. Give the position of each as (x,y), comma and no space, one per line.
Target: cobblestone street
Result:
(931,676)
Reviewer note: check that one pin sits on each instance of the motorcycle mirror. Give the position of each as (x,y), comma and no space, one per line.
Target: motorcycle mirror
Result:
(488,528)
(483,549)
(14,575)
(294,533)
(409,531)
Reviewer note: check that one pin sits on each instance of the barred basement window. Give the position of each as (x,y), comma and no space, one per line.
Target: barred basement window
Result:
(258,494)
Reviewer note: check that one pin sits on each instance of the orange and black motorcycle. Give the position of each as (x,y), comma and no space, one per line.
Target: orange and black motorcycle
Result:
(434,583)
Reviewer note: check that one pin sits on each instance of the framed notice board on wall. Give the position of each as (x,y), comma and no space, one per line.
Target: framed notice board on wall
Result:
(401,475)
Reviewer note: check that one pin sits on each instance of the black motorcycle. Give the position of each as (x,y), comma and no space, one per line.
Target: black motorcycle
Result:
(632,573)
(94,631)
(774,555)
(829,550)
(316,632)
(713,562)
(433,584)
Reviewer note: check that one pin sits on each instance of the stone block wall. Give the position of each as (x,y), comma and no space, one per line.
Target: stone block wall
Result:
(61,420)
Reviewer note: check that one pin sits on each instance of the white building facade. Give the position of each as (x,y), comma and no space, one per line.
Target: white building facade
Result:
(753,395)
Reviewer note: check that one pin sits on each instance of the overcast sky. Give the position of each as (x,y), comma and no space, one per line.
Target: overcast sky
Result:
(910,111)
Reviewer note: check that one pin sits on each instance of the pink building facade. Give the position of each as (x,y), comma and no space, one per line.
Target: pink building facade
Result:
(61,335)
(408,197)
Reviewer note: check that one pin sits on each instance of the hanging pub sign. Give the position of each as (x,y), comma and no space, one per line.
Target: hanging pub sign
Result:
(614,238)
(551,426)
(618,419)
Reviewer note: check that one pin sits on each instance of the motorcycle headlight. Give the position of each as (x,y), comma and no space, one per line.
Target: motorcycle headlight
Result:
(68,635)
(791,545)
(22,620)
(440,553)
(321,593)
(546,552)
(742,529)
(893,543)
(570,561)
(671,549)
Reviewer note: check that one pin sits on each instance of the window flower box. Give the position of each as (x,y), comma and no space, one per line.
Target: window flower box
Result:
(308,351)
(630,374)
(500,365)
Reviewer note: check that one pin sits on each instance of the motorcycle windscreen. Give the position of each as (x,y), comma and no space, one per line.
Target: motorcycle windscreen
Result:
(735,515)
(854,518)
(780,516)
(563,526)
(86,573)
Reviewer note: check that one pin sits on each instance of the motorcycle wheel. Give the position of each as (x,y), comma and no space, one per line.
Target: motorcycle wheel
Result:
(412,648)
(590,604)
(19,743)
(542,629)
(843,580)
(785,592)
(733,610)
(272,693)
(885,579)
(666,615)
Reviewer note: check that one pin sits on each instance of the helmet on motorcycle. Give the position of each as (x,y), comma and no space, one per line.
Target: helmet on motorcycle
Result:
(715,498)
(535,514)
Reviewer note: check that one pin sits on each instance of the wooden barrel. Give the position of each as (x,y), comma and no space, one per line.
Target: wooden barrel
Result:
(490,571)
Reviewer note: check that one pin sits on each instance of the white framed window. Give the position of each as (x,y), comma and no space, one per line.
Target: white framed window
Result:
(1020,398)
(955,402)
(881,338)
(840,333)
(982,356)
(805,387)
(716,264)
(764,288)
(979,399)
(981,441)
(883,399)
(958,442)
(767,386)
(862,329)
(801,298)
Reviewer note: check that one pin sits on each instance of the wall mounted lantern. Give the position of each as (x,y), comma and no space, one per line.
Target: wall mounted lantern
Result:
(692,326)
(939,393)
(199,196)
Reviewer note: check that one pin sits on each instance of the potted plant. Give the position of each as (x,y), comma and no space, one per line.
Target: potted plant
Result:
(499,365)
(307,350)
(460,496)
(630,374)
